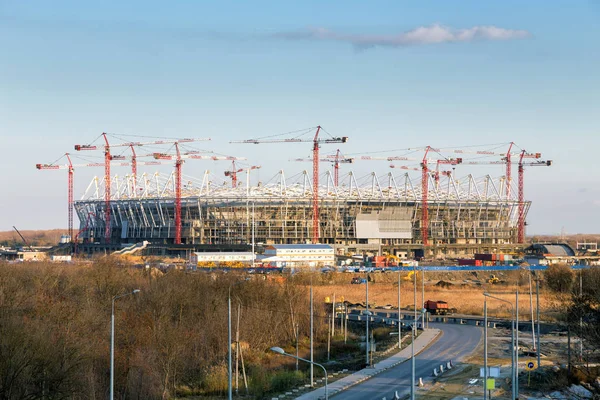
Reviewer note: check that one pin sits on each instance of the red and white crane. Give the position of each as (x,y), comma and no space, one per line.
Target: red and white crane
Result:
(425,191)
(424,182)
(316,141)
(521,186)
(234,171)
(108,158)
(336,160)
(70,167)
(179,160)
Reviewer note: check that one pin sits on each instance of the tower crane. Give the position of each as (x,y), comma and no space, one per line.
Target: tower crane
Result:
(424,182)
(316,141)
(336,159)
(71,169)
(521,229)
(179,160)
(234,171)
(107,159)
(521,187)
(425,191)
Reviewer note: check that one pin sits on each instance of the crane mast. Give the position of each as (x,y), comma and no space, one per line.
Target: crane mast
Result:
(316,232)
(70,197)
(424,195)
(315,159)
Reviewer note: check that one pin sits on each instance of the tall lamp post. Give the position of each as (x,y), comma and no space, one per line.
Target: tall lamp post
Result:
(512,344)
(112,341)
(412,343)
(399,315)
(279,350)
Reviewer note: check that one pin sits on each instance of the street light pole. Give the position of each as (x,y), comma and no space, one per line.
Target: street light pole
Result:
(399,315)
(485,348)
(423,293)
(279,350)
(512,344)
(368,317)
(112,341)
(516,350)
(412,343)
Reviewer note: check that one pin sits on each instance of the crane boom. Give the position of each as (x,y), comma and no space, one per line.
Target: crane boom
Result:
(23,238)
(315,158)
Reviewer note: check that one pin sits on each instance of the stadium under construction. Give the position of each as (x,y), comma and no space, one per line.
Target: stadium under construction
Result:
(374,214)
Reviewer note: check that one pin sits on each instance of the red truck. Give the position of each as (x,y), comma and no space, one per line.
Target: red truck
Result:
(438,307)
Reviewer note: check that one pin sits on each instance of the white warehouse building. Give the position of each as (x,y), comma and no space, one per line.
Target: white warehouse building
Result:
(299,255)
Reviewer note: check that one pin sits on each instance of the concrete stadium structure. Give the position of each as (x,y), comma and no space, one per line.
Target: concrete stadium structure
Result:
(466,215)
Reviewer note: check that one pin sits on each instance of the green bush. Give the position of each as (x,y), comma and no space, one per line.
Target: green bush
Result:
(381,333)
(284,380)
(258,380)
(215,380)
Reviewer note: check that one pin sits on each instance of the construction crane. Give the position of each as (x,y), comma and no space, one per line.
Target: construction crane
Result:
(23,238)
(521,221)
(425,191)
(234,171)
(336,160)
(108,158)
(70,167)
(178,157)
(316,141)
(521,186)
(424,181)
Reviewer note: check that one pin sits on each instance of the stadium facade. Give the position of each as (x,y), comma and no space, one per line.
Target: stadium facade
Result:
(373,214)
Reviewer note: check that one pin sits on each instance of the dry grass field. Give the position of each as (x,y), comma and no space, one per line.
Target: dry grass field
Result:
(466,298)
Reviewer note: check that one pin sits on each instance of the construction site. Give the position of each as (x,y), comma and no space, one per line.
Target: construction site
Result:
(434,208)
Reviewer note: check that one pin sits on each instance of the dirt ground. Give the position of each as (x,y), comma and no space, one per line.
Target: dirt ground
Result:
(464,292)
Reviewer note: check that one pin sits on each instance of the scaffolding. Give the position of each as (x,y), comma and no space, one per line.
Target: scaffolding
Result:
(462,212)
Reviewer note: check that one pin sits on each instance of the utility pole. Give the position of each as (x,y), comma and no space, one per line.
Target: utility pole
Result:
(531,309)
(485,348)
(399,314)
(368,318)
(537,294)
(516,349)
(312,376)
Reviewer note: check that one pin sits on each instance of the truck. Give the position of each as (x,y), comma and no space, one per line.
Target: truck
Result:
(438,307)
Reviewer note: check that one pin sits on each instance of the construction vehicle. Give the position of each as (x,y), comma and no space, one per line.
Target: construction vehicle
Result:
(494,280)
(438,307)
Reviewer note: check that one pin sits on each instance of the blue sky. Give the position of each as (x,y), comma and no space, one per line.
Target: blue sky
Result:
(230,70)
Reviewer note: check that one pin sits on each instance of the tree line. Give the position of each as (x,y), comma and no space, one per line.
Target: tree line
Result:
(170,341)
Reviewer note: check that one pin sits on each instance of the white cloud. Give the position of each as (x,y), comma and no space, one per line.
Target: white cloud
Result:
(419,36)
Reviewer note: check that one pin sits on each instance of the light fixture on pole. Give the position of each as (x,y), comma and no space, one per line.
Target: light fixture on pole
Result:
(279,350)
(512,344)
(112,341)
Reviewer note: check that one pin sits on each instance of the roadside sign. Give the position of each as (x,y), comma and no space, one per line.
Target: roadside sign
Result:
(491,384)
(493,372)
(530,366)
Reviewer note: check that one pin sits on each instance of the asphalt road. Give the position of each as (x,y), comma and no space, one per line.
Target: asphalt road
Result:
(457,341)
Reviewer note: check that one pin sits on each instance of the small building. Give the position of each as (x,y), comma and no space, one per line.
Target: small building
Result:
(222,259)
(299,255)
(22,255)
(550,253)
